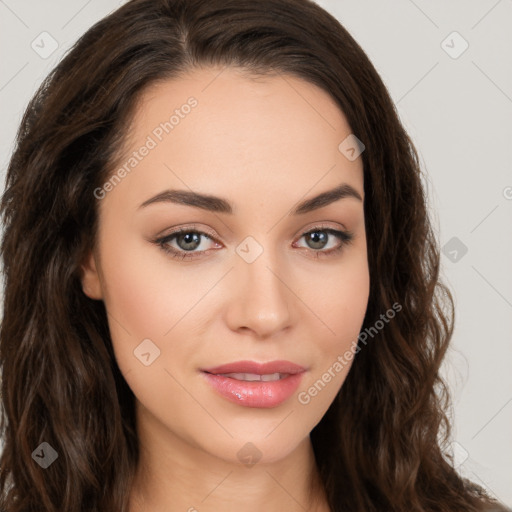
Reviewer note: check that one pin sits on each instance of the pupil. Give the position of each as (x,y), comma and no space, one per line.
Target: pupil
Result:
(190,238)
(318,237)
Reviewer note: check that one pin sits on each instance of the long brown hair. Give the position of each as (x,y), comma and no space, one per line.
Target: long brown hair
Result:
(382,443)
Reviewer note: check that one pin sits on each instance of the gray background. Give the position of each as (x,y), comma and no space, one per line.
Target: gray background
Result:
(458,110)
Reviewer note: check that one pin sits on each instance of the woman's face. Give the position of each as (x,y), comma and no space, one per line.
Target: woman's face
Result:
(250,279)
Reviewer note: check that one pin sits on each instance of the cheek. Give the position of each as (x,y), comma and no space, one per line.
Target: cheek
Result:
(347,310)
(147,306)
(143,298)
(341,308)
(339,299)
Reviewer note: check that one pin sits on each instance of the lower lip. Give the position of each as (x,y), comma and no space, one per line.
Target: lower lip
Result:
(255,393)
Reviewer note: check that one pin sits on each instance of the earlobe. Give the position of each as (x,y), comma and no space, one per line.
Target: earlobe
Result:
(91,284)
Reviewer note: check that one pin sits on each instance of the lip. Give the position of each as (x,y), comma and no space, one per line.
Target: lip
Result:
(255,367)
(259,394)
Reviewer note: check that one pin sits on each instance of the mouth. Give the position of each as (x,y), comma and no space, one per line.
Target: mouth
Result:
(252,377)
(252,384)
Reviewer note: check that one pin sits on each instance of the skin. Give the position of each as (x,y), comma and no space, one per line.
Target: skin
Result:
(264,145)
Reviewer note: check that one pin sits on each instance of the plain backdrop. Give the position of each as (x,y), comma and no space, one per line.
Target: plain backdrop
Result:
(448,67)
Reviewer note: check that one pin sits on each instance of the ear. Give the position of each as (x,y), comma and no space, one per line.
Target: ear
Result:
(91,284)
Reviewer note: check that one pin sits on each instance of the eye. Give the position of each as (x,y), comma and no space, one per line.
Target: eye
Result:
(187,240)
(318,237)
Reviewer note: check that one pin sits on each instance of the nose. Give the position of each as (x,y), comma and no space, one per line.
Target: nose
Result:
(261,295)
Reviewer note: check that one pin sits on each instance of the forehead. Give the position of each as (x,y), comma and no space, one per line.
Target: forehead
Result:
(236,106)
(216,127)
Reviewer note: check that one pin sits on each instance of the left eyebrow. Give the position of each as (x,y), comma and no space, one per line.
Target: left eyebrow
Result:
(220,205)
(325,198)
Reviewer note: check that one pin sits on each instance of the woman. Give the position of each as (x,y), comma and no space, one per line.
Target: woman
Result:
(221,282)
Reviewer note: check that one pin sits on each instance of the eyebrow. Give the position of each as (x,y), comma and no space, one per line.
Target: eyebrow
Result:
(220,205)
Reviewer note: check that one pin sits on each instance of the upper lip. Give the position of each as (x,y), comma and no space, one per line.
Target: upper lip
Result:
(257,368)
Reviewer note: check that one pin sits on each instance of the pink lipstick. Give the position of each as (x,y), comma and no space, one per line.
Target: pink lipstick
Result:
(253,384)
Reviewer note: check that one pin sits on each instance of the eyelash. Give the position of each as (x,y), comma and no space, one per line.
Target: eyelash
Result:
(346,238)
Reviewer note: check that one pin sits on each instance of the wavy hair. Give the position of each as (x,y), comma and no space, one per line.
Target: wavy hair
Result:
(382,443)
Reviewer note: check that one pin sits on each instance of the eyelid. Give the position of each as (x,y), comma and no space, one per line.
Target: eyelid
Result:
(323,225)
(189,228)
